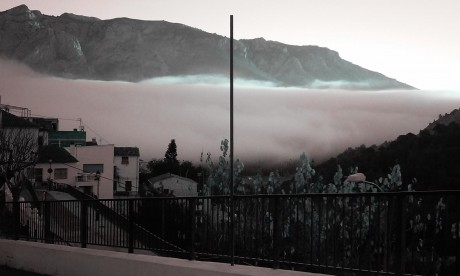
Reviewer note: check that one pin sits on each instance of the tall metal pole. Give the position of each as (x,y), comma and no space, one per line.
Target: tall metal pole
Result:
(232,202)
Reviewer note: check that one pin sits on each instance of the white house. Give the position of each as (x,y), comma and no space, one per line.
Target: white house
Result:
(126,162)
(57,164)
(171,184)
(96,160)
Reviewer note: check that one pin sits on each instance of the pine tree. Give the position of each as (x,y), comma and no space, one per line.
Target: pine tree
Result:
(171,157)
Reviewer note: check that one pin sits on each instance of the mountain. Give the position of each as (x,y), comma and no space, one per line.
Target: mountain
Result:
(74,46)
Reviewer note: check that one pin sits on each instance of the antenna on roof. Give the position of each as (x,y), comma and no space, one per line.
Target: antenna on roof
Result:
(82,127)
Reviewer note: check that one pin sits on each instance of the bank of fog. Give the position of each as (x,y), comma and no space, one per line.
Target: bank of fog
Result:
(272,125)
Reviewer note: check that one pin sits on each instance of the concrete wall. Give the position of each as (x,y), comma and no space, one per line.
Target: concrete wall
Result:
(102,154)
(60,260)
(71,172)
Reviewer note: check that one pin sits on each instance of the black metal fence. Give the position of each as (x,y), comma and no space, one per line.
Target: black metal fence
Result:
(408,233)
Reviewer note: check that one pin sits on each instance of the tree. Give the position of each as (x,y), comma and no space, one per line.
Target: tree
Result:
(18,152)
(171,152)
(218,182)
(171,157)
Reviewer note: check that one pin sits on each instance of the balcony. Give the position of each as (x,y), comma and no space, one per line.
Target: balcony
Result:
(86,179)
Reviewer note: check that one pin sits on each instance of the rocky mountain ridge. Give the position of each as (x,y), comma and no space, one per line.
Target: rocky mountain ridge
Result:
(74,46)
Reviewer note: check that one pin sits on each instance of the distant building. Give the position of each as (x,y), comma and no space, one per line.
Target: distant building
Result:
(126,180)
(58,137)
(67,138)
(171,184)
(65,157)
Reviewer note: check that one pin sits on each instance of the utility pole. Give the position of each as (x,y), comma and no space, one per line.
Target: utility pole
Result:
(232,201)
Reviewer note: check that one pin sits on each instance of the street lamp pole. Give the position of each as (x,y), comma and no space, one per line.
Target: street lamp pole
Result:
(50,170)
(98,178)
(232,203)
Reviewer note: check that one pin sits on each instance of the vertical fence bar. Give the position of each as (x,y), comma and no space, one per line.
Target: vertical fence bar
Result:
(320,220)
(276,232)
(47,221)
(400,230)
(131,225)
(192,216)
(162,226)
(457,246)
(83,223)
(17,219)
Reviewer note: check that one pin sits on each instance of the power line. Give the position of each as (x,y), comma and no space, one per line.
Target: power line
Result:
(81,170)
(100,136)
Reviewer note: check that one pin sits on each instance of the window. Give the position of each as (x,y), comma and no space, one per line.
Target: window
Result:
(93,168)
(60,173)
(125,160)
(128,186)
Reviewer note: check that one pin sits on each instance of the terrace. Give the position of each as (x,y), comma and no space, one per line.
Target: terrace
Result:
(403,233)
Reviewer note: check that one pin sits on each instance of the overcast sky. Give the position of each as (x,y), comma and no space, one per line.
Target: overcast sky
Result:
(414,41)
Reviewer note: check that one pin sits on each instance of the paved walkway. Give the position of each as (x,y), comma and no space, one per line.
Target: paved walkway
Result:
(6,271)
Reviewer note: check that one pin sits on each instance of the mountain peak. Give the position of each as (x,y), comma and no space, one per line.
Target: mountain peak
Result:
(21,9)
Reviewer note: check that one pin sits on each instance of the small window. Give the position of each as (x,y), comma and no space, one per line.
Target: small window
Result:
(60,173)
(125,160)
(128,186)
(93,168)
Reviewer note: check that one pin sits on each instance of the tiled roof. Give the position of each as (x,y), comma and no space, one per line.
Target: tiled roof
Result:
(56,154)
(10,120)
(126,151)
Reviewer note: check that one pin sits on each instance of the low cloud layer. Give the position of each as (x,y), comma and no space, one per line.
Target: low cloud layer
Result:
(271,124)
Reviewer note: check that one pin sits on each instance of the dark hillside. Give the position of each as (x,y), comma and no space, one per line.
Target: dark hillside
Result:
(431,157)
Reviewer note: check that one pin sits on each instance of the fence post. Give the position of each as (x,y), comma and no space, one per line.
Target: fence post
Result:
(457,247)
(131,225)
(84,223)
(276,232)
(17,219)
(163,227)
(192,216)
(400,246)
(47,214)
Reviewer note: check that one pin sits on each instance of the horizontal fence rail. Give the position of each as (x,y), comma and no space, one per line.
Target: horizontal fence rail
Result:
(407,233)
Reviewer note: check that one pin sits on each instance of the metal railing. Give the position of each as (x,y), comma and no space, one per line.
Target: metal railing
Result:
(407,233)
